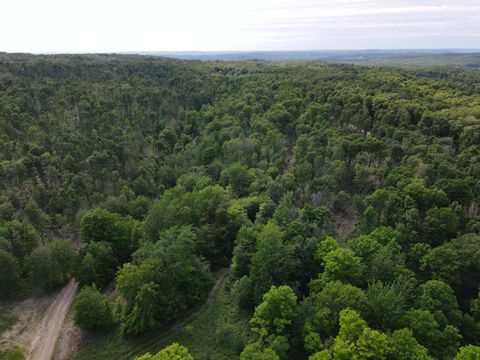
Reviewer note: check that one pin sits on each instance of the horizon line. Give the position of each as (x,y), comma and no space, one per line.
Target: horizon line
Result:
(140,52)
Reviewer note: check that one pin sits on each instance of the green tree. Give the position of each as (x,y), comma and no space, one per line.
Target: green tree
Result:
(439,299)
(92,310)
(272,263)
(164,280)
(386,304)
(439,342)
(37,217)
(97,265)
(143,316)
(403,345)
(441,224)
(101,225)
(64,258)
(21,236)
(468,352)
(42,273)
(10,281)
(174,351)
(329,302)
(274,315)
(342,264)
(256,352)
(443,263)
(356,340)
(238,177)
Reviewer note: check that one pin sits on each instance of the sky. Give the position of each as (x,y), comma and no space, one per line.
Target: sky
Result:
(233,25)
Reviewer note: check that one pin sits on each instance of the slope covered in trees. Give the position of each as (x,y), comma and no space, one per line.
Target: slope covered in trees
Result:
(159,172)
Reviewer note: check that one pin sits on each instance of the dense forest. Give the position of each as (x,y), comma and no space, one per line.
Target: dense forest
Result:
(342,199)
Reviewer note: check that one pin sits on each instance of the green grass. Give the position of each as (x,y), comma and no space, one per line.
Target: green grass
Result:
(219,331)
(12,354)
(6,320)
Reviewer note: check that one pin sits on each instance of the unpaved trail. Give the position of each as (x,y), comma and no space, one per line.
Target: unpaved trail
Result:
(44,343)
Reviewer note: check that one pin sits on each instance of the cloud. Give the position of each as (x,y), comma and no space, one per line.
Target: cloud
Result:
(150,25)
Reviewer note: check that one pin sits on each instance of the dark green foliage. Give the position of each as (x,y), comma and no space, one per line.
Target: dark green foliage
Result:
(328,304)
(51,266)
(21,238)
(272,263)
(121,232)
(10,282)
(97,264)
(165,280)
(386,304)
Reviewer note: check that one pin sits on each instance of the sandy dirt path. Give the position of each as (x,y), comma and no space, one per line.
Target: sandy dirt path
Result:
(44,343)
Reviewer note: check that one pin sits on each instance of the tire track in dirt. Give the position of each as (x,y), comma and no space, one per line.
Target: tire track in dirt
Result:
(43,344)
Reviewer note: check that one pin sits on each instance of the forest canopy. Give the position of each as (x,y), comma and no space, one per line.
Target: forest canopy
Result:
(343,199)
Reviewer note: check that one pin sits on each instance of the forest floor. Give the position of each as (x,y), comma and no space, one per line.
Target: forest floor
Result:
(211,332)
(346,223)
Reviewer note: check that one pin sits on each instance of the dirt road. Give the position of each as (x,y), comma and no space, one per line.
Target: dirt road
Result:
(44,343)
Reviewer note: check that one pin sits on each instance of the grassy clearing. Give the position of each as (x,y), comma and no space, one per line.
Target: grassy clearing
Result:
(12,354)
(6,320)
(218,331)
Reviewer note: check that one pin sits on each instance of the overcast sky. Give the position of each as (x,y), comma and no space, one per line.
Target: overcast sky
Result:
(174,25)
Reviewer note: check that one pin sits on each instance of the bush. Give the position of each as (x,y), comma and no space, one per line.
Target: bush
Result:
(92,310)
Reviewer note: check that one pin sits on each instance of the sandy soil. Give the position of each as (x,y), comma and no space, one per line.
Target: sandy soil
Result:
(48,332)
(29,314)
(70,339)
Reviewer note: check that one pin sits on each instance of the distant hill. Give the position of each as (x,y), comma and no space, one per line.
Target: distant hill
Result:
(441,57)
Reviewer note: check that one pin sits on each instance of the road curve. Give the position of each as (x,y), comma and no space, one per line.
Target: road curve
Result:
(44,343)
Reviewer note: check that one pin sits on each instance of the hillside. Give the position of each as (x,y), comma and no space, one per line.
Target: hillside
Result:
(343,199)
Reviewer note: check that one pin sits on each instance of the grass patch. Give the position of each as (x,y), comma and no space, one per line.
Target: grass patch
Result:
(12,354)
(6,320)
(219,331)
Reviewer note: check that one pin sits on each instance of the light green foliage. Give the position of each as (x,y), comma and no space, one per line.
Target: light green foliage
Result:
(256,352)
(351,325)
(342,264)
(171,352)
(356,340)
(142,316)
(92,310)
(334,297)
(324,247)
(402,345)
(469,352)
(274,315)
(207,211)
